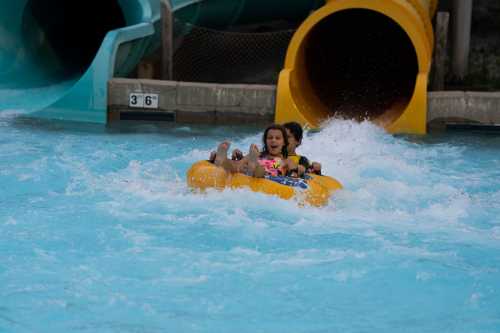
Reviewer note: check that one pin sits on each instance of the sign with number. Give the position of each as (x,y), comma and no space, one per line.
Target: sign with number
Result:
(140,100)
(151,101)
(136,100)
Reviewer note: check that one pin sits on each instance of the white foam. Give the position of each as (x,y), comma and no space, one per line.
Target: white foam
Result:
(347,275)
(495,231)
(10,221)
(389,183)
(9,114)
(311,257)
(424,276)
(475,299)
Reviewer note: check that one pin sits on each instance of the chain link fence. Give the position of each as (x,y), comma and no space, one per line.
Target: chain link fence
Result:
(209,55)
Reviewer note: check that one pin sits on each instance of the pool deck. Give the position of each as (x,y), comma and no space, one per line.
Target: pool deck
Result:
(188,102)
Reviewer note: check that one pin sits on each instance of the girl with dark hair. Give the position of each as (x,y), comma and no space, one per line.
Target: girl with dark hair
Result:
(274,156)
(272,161)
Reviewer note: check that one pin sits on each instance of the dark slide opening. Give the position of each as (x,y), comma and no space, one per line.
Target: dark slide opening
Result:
(62,37)
(360,64)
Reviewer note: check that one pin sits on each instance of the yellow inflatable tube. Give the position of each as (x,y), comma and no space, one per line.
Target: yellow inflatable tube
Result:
(315,191)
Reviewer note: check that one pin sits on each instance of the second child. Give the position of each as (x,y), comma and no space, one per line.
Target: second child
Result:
(294,135)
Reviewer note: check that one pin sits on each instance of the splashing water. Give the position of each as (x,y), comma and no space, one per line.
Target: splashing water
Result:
(99,233)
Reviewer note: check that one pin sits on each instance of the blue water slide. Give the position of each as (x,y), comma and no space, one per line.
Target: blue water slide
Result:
(56,56)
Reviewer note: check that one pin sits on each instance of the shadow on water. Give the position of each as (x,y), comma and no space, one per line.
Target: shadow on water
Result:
(480,137)
(476,137)
(135,127)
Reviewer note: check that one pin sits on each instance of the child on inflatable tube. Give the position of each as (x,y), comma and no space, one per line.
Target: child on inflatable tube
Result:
(272,161)
(294,135)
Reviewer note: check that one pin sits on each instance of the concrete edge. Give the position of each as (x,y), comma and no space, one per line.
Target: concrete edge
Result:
(195,102)
(464,107)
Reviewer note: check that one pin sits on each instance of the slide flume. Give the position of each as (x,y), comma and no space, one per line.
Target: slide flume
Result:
(360,59)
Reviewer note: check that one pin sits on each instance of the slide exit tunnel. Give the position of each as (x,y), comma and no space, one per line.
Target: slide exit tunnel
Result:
(56,56)
(360,59)
(57,43)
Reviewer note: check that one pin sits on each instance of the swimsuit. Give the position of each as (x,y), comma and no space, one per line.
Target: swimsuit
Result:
(272,166)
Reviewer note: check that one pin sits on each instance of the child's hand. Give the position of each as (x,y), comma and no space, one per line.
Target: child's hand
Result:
(316,168)
(301,170)
(292,168)
(297,171)
(237,155)
(213,154)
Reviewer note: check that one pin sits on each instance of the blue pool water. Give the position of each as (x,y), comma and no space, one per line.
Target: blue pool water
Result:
(99,233)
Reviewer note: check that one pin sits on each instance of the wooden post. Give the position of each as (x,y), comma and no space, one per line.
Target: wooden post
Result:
(167,40)
(145,70)
(461,20)
(439,70)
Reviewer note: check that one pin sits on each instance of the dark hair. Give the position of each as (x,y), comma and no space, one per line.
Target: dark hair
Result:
(295,129)
(281,128)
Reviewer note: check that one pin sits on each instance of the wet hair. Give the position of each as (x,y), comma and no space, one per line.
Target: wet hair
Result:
(281,128)
(295,129)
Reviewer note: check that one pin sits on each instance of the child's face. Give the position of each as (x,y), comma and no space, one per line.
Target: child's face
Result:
(275,142)
(292,142)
